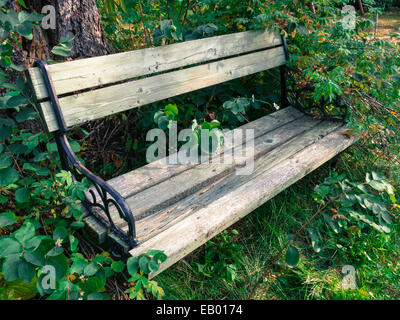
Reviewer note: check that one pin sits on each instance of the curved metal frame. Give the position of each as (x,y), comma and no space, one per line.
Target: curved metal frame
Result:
(108,195)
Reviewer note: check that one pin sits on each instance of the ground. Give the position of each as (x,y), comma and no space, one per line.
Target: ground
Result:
(388,22)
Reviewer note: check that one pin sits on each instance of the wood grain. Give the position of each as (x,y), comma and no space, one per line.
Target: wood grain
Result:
(99,103)
(224,209)
(156,223)
(97,71)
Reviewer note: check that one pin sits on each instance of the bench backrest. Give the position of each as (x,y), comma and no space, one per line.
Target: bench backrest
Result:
(93,88)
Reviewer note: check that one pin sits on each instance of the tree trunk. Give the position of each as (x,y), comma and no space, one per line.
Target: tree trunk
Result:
(361,7)
(79,17)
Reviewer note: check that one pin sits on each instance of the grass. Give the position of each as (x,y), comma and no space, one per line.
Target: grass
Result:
(262,234)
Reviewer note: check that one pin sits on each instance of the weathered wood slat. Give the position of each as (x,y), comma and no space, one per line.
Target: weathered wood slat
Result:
(110,100)
(225,208)
(88,73)
(152,225)
(145,188)
(158,171)
(189,182)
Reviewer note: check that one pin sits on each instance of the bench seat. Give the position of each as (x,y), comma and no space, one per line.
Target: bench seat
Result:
(177,208)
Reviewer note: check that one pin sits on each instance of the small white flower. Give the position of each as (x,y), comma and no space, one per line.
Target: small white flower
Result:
(276,106)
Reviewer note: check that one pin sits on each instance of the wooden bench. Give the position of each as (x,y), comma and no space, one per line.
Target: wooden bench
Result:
(177,208)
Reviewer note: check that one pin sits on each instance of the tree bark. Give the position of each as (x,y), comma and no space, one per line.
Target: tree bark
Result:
(361,7)
(79,17)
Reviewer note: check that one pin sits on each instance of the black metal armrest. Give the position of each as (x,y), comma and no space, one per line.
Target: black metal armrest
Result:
(108,195)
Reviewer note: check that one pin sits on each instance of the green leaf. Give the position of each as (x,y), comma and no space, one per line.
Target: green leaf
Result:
(159,256)
(22,195)
(78,266)
(135,277)
(368,221)
(17,101)
(26,114)
(25,233)
(161,120)
(18,148)
(21,290)
(90,269)
(93,284)
(60,51)
(5,161)
(77,224)
(3,199)
(60,263)
(153,265)
(33,243)
(132,265)
(144,264)
(26,271)
(10,267)
(55,251)
(5,132)
(377,185)
(8,247)
(25,30)
(229,105)
(171,110)
(60,233)
(75,146)
(292,256)
(8,176)
(37,257)
(315,239)
(7,219)
(73,243)
(65,177)
(7,61)
(67,38)
(22,3)
(118,266)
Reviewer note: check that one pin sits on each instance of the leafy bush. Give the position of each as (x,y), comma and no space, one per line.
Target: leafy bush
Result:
(221,259)
(348,209)
(41,231)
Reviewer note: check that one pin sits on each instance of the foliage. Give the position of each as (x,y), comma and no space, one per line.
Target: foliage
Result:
(42,230)
(330,65)
(64,47)
(350,209)
(221,258)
